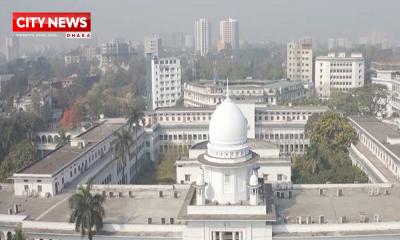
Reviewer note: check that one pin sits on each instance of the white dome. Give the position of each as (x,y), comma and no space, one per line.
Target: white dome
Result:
(228,126)
(200,180)
(253,180)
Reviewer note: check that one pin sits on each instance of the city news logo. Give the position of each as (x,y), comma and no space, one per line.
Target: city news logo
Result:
(74,24)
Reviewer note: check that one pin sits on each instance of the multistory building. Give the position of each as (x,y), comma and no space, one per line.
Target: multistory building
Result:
(12,48)
(299,63)
(338,73)
(202,36)
(115,51)
(229,32)
(153,46)
(204,93)
(166,82)
(390,79)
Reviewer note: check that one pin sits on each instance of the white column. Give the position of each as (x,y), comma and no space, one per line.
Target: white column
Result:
(233,235)
(214,235)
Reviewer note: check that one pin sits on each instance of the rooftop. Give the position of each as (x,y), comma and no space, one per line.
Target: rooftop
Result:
(381,131)
(233,84)
(353,203)
(64,155)
(145,203)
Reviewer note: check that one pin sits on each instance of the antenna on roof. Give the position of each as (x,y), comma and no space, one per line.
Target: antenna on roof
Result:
(227,88)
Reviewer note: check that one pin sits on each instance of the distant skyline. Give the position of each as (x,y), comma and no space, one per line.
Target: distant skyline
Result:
(270,20)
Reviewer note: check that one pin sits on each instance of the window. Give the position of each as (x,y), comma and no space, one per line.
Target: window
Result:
(279,177)
(187,177)
(39,188)
(26,187)
(227,179)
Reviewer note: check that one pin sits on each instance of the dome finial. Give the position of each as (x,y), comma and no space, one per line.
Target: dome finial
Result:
(227,88)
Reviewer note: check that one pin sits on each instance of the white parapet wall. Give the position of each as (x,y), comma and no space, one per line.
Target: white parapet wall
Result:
(347,227)
(369,164)
(138,187)
(133,228)
(12,218)
(227,210)
(341,185)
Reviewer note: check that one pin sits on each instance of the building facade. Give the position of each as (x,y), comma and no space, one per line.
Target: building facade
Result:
(380,140)
(202,35)
(166,81)
(177,128)
(12,48)
(299,62)
(229,32)
(115,51)
(273,132)
(153,46)
(240,190)
(205,93)
(390,79)
(338,73)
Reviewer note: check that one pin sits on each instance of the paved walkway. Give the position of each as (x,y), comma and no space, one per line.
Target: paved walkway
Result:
(378,164)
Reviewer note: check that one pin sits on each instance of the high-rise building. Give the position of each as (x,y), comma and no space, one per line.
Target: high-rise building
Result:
(338,73)
(229,32)
(152,45)
(165,81)
(115,50)
(189,41)
(337,44)
(300,60)
(174,40)
(89,52)
(202,36)
(12,48)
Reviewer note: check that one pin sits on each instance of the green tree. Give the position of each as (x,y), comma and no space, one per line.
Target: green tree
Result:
(327,157)
(19,234)
(123,142)
(135,118)
(20,155)
(87,211)
(333,130)
(63,138)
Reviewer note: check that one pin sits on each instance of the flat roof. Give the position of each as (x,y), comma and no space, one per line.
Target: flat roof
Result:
(31,207)
(235,84)
(291,108)
(353,202)
(64,155)
(144,204)
(380,131)
(258,106)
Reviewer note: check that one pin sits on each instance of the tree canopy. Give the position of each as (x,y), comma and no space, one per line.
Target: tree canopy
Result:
(327,157)
(87,211)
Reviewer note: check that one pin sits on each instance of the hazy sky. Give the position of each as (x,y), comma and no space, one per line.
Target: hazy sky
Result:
(277,20)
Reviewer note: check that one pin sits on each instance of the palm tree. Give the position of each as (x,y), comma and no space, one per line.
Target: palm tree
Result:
(313,158)
(87,211)
(19,234)
(122,144)
(135,118)
(63,138)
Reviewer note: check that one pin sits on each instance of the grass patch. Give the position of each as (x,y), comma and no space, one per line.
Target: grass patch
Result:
(164,173)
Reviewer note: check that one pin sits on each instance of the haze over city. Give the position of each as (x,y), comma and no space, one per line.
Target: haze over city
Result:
(199,119)
(260,20)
